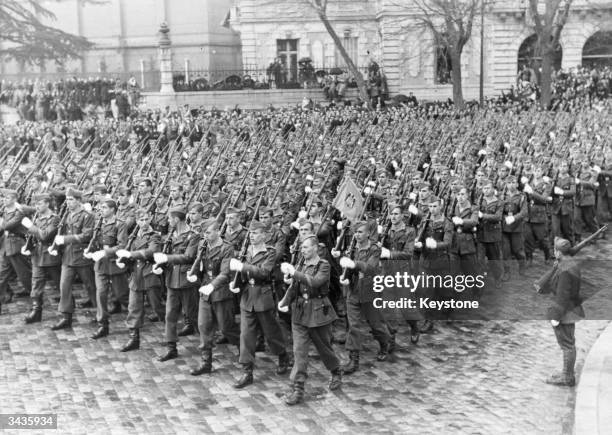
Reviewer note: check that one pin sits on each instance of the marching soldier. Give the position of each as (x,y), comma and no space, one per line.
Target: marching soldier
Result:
(216,300)
(536,228)
(514,214)
(45,267)
(586,191)
(257,304)
(74,236)
(145,244)
(489,233)
(463,250)
(311,316)
(562,208)
(180,290)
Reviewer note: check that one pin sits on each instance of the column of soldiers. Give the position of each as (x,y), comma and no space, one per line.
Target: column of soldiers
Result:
(259,237)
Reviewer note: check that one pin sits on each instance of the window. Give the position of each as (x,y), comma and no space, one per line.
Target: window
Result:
(287,53)
(597,50)
(443,62)
(350,44)
(529,55)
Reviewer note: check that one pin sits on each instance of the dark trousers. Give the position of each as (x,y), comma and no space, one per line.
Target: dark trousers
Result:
(565,334)
(104,283)
(21,265)
(536,236)
(513,246)
(136,311)
(248,334)
(563,226)
(492,252)
(40,276)
(374,318)
(174,300)
(320,336)
(587,215)
(222,314)
(69,273)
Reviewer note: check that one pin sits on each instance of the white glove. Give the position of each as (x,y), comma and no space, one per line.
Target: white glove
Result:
(24,251)
(385,253)
(335,254)
(295,225)
(59,240)
(302,214)
(577,180)
(527,189)
(282,307)
(287,268)
(206,290)
(236,265)
(549,199)
(457,220)
(344,281)
(123,253)
(233,289)
(480,215)
(431,243)
(160,258)
(339,225)
(412,209)
(308,189)
(98,255)
(367,190)
(546,178)
(558,190)
(596,184)
(482,152)
(555,323)
(347,262)
(425,165)
(418,245)
(413,197)
(524,180)
(510,220)
(26,222)
(597,169)
(87,207)
(398,174)
(380,229)
(508,164)
(191,278)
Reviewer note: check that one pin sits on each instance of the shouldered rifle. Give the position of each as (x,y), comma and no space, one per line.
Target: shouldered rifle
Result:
(128,246)
(157,269)
(93,242)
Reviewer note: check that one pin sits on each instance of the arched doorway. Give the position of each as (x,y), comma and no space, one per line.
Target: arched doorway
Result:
(529,56)
(597,50)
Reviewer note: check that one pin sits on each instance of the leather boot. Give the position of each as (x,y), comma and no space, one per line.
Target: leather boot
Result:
(284,362)
(188,329)
(36,313)
(566,378)
(246,378)
(206,365)
(102,331)
(336,379)
(297,395)
(134,341)
(170,354)
(383,352)
(353,364)
(64,323)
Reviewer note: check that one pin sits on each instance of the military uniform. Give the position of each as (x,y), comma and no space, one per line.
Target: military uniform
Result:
(11,257)
(515,206)
(463,248)
(586,192)
(235,237)
(562,209)
(536,227)
(489,234)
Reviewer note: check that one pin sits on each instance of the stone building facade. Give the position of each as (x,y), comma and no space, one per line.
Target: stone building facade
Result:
(389,31)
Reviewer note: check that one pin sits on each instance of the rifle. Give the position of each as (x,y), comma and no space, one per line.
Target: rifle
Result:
(157,269)
(93,242)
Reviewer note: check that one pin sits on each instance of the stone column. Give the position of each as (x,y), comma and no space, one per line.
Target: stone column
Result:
(165,60)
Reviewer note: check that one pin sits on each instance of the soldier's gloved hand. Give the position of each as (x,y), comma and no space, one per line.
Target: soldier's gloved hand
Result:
(24,251)
(123,253)
(480,215)
(236,265)
(344,281)
(413,197)
(27,223)
(546,178)
(524,180)
(160,258)
(87,207)
(510,220)
(287,269)
(577,180)
(412,209)
(302,214)
(558,191)
(233,289)
(192,278)
(287,280)
(206,290)
(527,189)
(380,229)
(549,199)
(482,152)
(418,245)
(295,225)
(347,262)
(597,169)
(596,184)
(98,255)
(308,189)
(457,220)
(59,240)
(367,190)
(431,243)
(335,254)
(555,323)
(385,253)
(339,225)
(282,306)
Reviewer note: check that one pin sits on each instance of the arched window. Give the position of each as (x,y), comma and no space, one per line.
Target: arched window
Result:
(529,55)
(597,50)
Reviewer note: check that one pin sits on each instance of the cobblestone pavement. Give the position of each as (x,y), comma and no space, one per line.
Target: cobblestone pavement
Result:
(466,377)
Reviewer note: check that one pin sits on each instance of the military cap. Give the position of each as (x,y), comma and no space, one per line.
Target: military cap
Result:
(100,188)
(9,192)
(432,199)
(256,225)
(178,211)
(302,221)
(73,192)
(562,245)
(360,224)
(41,197)
(266,210)
(197,206)
(233,210)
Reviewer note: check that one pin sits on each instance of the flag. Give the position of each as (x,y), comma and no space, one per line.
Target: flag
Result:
(349,200)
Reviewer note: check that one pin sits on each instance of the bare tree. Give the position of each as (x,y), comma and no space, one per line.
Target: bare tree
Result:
(26,38)
(320,7)
(450,22)
(548,26)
